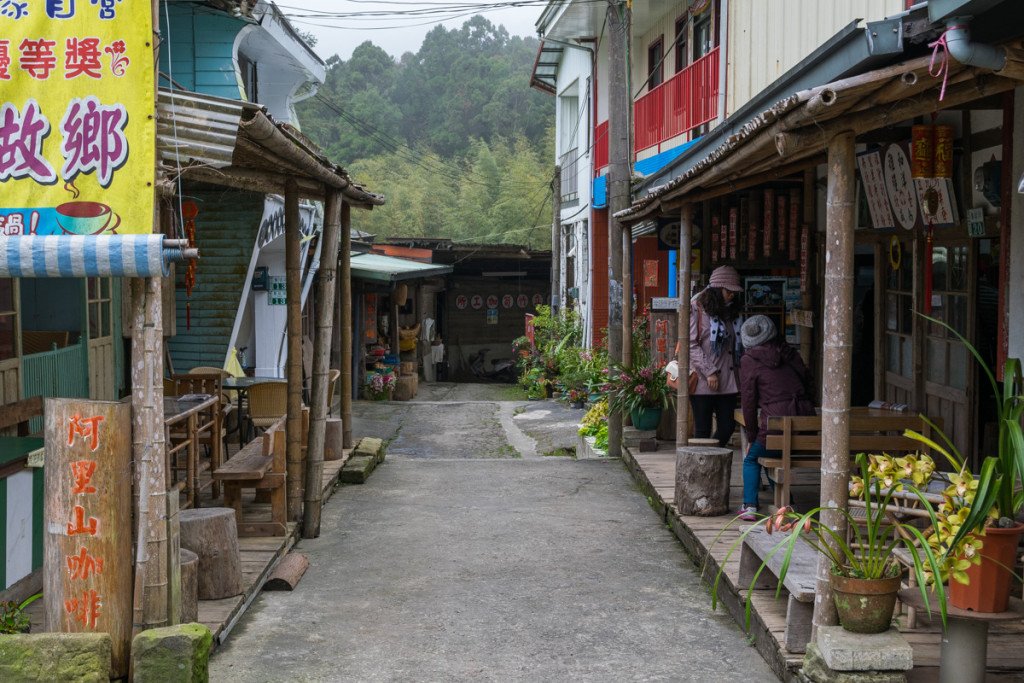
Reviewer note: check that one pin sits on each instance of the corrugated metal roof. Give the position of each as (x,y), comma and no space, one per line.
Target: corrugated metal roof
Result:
(238,144)
(390,269)
(198,128)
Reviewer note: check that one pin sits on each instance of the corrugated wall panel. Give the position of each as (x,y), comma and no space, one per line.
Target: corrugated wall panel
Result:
(765,42)
(62,373)
(225,233)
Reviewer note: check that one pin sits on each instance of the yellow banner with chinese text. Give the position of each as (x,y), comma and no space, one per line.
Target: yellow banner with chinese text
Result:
(77,131)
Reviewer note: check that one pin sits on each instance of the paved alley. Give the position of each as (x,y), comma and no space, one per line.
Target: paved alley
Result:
(504,566)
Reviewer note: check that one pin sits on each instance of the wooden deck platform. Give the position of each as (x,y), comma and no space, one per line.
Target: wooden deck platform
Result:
(708,539)
(259,555)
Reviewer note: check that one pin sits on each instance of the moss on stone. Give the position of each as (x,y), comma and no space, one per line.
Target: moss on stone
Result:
(175,654)
(55,657)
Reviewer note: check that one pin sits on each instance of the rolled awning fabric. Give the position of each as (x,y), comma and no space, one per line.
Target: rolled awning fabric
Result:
(86,256)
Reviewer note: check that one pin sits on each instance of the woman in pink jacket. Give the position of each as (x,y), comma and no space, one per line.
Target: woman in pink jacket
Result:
(715,351)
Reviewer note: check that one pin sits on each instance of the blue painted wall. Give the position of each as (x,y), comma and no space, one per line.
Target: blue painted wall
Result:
(198,48)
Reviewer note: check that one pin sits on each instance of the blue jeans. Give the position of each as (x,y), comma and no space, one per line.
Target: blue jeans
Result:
(752,471)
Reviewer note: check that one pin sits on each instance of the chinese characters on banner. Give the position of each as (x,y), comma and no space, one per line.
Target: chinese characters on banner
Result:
(77,131)
(87,562)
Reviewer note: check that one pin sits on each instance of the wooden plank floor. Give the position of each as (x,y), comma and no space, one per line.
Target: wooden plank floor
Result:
(708,539)
(259,556)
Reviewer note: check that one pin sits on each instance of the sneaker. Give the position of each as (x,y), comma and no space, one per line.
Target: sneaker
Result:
(748,513)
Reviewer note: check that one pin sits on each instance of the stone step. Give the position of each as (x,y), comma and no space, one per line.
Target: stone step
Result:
(357,470)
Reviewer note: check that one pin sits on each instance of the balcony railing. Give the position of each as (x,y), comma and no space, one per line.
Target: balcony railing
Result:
(681,103)
(570,175)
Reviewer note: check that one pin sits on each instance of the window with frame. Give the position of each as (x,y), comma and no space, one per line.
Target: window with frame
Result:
(682,28)
(899,320)
(655,67)
(703,39)
(99,299)
(8,320)
(947,356)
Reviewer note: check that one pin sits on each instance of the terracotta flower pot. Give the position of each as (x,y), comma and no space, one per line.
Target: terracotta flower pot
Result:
(989,587)
(865,605)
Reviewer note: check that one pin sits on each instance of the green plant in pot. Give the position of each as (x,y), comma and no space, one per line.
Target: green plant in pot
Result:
(977,532)
(12,615)
(640,391)
(866,572)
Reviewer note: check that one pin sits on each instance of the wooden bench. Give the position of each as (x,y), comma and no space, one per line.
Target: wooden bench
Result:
(799,439)
(800,581)
(260,465)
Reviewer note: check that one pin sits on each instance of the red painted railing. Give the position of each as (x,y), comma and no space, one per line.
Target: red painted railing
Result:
(601,146)
(685,101)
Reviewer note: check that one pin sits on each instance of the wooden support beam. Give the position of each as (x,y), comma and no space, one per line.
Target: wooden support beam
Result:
(683,327)
(325,287)
(293,289)
(837,355)
(345,294)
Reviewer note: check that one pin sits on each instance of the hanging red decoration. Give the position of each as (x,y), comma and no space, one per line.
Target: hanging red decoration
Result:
(189,211)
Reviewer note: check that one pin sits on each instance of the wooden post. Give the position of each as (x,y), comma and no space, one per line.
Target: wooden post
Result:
(321,366)
(807,299)
(153,572)
(556,241)
(837,326)
(345,294)
(293,287)
(618,195)
(627,293)
(683,327)
(87,537)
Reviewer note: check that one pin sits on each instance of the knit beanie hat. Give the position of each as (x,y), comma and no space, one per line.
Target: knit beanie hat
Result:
(725,276)
(757,330)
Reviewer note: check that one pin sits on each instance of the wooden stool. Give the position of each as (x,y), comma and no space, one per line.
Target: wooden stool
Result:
(212,534)
(702,480)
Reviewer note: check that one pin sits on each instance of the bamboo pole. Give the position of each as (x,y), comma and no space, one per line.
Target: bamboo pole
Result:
(345,294)
(152,608)
(838,324)
(683,328)
(627,295)
(321,366)
(293,288)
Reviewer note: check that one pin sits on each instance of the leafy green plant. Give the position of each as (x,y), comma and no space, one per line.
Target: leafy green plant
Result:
(12,615)
(973,503)
(638,387)
(868,552)
(594,419)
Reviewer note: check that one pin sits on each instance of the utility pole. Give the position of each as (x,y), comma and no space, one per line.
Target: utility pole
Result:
(556,240)
(618,193)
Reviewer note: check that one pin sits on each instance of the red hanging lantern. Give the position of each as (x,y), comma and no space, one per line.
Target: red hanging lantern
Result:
(189,211)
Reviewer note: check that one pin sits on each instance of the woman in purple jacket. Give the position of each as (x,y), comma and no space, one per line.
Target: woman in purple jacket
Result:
(774,381)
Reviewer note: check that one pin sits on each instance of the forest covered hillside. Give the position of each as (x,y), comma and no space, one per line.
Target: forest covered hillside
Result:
(452,135)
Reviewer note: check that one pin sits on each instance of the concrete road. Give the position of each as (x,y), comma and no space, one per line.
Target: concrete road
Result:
(449,567)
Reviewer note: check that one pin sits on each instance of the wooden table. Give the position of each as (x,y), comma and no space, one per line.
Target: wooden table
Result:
(186,415)
(965,643)
(240,385)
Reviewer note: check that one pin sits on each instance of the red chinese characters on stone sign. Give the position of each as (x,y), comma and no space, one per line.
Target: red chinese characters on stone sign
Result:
(82,565)
(85,609)
(79,525)
(87,428)
(82,471)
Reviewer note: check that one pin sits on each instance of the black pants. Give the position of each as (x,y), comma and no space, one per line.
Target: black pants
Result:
(719,405)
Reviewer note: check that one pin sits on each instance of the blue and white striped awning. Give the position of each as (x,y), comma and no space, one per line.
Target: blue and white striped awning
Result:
(86,256)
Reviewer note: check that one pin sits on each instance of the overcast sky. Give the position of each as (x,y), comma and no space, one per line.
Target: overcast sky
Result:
(397,27)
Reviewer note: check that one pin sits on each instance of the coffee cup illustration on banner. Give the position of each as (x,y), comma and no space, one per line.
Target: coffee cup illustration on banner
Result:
(87,218)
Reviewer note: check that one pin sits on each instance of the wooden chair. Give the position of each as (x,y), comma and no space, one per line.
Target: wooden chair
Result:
(230,426)
(331,386)
(268,401)
(211,429)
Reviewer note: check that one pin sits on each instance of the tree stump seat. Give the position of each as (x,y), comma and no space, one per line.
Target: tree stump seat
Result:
(212,535)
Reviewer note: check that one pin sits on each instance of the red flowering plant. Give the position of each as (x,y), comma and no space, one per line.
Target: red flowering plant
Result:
(637,387)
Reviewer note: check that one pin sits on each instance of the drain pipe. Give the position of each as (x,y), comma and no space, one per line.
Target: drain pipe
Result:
(958,42)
